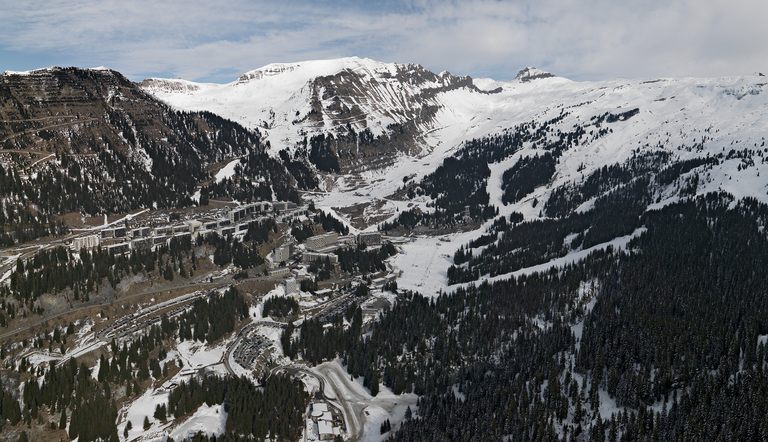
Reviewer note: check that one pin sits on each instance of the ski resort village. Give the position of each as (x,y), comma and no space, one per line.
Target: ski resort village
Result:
(273,266)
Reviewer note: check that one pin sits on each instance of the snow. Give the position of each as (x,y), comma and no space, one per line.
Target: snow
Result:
(268,98)
(6,275)
(194,356)
(29,72)
(49,68)
(674,115)
(198,355)
(85,342)
(424,261)
(142,407)
(374,410)
(608,406)
(209,420)
(36,358)
(227,171)
(571,258)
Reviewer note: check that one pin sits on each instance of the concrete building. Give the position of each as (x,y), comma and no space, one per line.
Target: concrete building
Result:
(140,232)
(281,254)
(237,214)
(318,408)
(320,242)
(85,242)
(193,225)
(180,228)
(119,248)
(163,231)
(323,419)
(142,244)
(325,430)
(184,236)
(369,238)
(291,286)
(247,211)
(312,257)
(282,271)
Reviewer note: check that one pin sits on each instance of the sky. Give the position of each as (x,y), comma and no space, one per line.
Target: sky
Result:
(218,40)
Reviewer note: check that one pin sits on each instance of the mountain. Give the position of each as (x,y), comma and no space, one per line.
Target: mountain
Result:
(374,110)
(91,141)
(419,118)
(532,259)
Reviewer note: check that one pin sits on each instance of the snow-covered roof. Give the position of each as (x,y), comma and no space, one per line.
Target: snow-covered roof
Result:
(324,427)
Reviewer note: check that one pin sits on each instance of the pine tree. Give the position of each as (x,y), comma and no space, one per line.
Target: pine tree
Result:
(63,419)
(160,412)
(168,272)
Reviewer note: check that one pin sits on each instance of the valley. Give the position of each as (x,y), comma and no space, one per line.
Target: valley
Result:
(356,250)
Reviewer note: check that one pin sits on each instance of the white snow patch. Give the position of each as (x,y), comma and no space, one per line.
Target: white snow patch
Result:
(209,420)
(227,171)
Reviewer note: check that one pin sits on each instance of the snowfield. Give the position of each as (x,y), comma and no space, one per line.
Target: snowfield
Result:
(209,420)
(227,171)
(688,117)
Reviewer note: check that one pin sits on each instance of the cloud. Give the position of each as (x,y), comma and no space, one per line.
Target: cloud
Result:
(588,39)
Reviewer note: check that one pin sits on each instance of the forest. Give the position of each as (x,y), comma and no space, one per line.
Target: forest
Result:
(272,410)
(672,327)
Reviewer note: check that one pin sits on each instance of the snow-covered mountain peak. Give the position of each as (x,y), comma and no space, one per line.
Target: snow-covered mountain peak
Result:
(157,86)
(289,102)
(60,68)
(316,68)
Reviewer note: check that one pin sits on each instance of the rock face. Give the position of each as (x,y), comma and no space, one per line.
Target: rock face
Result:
(102,144)
(530,73)
(367,112)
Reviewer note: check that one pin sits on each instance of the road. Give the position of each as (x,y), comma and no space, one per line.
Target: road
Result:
(231,347)
(43,320)
(354,414)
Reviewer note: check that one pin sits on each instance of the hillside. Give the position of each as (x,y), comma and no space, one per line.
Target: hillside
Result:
(90,141)
(609,122)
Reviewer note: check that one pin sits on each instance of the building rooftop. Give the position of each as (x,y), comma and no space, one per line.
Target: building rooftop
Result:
(324,427)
